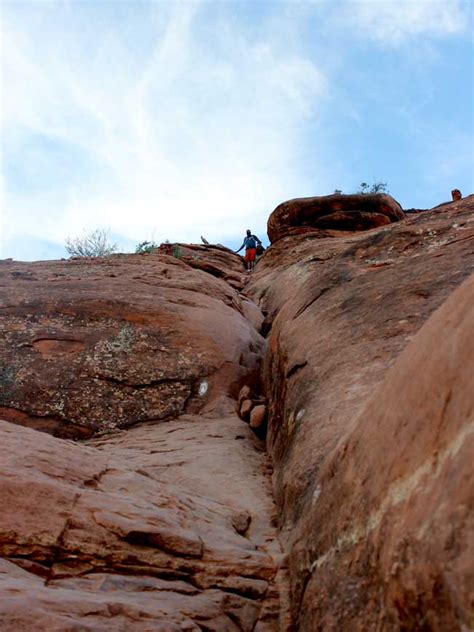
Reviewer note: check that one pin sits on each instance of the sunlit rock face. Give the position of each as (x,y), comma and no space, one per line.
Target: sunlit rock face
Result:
(326,214)
(368,379)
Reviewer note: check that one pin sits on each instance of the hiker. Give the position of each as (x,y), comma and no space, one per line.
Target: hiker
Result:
(456,195)
(250,242)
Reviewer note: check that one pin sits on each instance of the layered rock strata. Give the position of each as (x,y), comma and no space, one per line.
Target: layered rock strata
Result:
(216,260)
(370,445)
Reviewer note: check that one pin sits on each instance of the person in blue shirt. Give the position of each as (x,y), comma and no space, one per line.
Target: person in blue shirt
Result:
(250,243)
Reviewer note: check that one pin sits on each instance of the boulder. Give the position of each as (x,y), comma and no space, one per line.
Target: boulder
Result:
(244,393)
(245,409)
(333,212)
(258,416)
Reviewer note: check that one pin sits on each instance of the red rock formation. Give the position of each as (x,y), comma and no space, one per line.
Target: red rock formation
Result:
(170,525)
(391,516)
(371,467)
(91,345)
(162,527)
(216,260)
(332,212)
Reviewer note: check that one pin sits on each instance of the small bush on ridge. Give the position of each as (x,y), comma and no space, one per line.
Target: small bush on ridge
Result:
(93,244)
(377,187)
(367,189)
(146,247)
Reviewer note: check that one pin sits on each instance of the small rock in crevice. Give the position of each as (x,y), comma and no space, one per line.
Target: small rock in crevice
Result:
(241,522)
(253,410)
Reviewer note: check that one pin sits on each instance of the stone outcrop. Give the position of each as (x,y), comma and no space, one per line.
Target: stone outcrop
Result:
(216,260)
(401,528)
(92,345)
(370,453)
(329,213)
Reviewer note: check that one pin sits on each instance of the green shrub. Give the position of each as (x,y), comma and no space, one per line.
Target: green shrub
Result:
(377,187)
(367,189)
(146,247)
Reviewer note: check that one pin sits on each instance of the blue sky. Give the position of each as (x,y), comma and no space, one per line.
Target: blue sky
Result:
(171,120)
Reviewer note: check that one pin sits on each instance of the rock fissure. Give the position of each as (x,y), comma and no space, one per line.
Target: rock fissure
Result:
(95,481)
(143,384)
(45,422)
(295,368)
(308,304)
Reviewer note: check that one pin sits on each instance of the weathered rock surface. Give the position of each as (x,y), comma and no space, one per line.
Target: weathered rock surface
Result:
(219,261)
(92,345)
(163,527)
(167,525)
(332,213)
(170,524)
(371,468)
(392,515)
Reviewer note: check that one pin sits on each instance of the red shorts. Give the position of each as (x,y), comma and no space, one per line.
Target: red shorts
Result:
(250,254)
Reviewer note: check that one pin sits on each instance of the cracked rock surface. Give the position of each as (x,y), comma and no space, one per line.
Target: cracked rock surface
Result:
(162,527)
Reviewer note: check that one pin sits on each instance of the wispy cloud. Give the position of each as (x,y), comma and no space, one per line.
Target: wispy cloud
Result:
(170,134)
(392,22)
(174,119)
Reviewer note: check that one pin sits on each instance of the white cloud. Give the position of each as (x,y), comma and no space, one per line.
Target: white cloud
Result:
(392,22)
(177,137)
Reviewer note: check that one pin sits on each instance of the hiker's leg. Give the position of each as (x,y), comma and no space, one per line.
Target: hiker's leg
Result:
(251,257)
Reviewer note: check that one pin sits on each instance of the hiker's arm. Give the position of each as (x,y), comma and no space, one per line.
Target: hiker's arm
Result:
(236,251)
